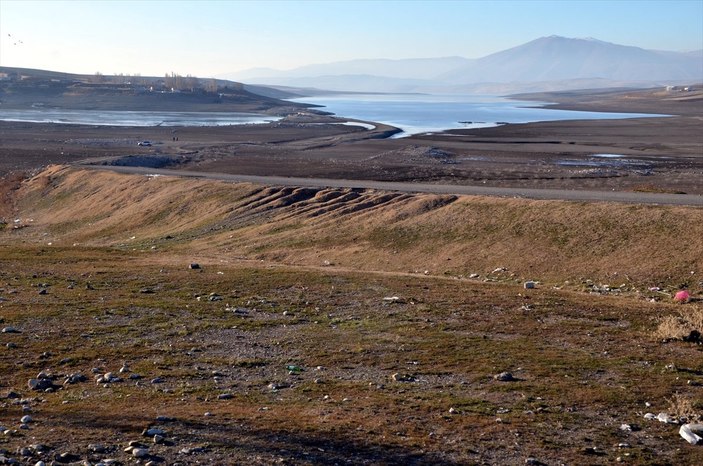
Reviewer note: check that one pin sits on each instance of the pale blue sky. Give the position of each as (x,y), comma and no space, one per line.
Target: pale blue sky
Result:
(209,38)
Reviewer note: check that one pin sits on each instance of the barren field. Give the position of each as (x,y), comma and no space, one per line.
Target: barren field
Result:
(152,319)
(343,326)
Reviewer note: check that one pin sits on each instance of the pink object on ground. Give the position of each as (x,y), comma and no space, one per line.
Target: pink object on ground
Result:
(682,296)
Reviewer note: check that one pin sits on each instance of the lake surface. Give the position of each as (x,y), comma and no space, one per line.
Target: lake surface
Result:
(413,113)
(416,113)
(129,118)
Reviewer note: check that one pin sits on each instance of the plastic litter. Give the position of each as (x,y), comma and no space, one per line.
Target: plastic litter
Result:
(690,433)
(682,296)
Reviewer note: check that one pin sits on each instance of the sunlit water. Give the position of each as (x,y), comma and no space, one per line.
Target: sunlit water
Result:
(413,113)
(420,113)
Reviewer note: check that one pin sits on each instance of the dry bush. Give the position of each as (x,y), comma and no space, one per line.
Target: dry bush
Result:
(682,407)
(695,318)
(672,328)
(679,327)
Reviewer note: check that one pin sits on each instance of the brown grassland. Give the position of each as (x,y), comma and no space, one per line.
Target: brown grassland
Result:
(397,311)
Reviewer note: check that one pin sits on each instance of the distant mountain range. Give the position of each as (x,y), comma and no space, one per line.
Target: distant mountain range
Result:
(548,63)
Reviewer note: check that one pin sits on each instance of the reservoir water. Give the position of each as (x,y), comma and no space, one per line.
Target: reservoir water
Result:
(413,113)
(421,113)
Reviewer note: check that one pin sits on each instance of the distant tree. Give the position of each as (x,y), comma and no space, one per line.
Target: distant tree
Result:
(211,85)
(98,78)
(191,83)
(175,81)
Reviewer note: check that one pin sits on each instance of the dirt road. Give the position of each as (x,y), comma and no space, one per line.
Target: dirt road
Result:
(552,194)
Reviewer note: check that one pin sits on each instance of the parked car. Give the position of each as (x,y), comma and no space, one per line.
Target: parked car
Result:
(144,143)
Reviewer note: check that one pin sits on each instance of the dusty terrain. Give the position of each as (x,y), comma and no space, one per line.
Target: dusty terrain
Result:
(655,154)
(346,326)
(335,326)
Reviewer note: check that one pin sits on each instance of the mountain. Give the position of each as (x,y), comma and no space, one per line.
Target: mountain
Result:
(557,58)
(547,63)
(413,68)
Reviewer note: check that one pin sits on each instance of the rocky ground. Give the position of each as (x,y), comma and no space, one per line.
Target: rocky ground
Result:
(125,357)
(156,320)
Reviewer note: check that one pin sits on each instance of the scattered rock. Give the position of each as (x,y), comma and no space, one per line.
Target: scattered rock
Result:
(97,448)
(26,419)
(194,266)
(190,451)
(153,431)
(67,458)
(74,379)
(534,462)
(156,380)
(10,330)
(529,285)
(393,300)
(398,377)
(277,386)
(504,377)
(140,452)
(40,384)
(225,396)
(666,418)
(108,377)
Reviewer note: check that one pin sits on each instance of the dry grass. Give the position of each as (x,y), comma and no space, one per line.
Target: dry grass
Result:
(582,362)
(550,241)
(673,327)
(572,354)
(683,407)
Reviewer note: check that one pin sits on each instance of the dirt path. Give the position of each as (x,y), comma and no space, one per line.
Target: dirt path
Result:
(545,194)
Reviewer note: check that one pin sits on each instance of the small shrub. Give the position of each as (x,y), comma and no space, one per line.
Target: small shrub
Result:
(682,407)
(695,318)
(672,328)
(680,327)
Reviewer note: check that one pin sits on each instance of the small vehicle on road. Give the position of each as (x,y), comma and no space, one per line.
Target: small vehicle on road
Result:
(144,143)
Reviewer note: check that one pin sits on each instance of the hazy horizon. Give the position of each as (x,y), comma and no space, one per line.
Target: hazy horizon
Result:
(214,38)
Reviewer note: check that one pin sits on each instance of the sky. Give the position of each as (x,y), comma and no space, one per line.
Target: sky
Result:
(214,38)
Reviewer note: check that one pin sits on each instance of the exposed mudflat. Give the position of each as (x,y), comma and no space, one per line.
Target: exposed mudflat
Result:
(651,154)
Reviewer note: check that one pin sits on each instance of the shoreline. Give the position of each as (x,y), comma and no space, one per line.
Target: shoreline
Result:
(656,154)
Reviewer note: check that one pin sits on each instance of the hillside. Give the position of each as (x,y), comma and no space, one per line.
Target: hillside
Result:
(446,235)
(181,321)
(32,89)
